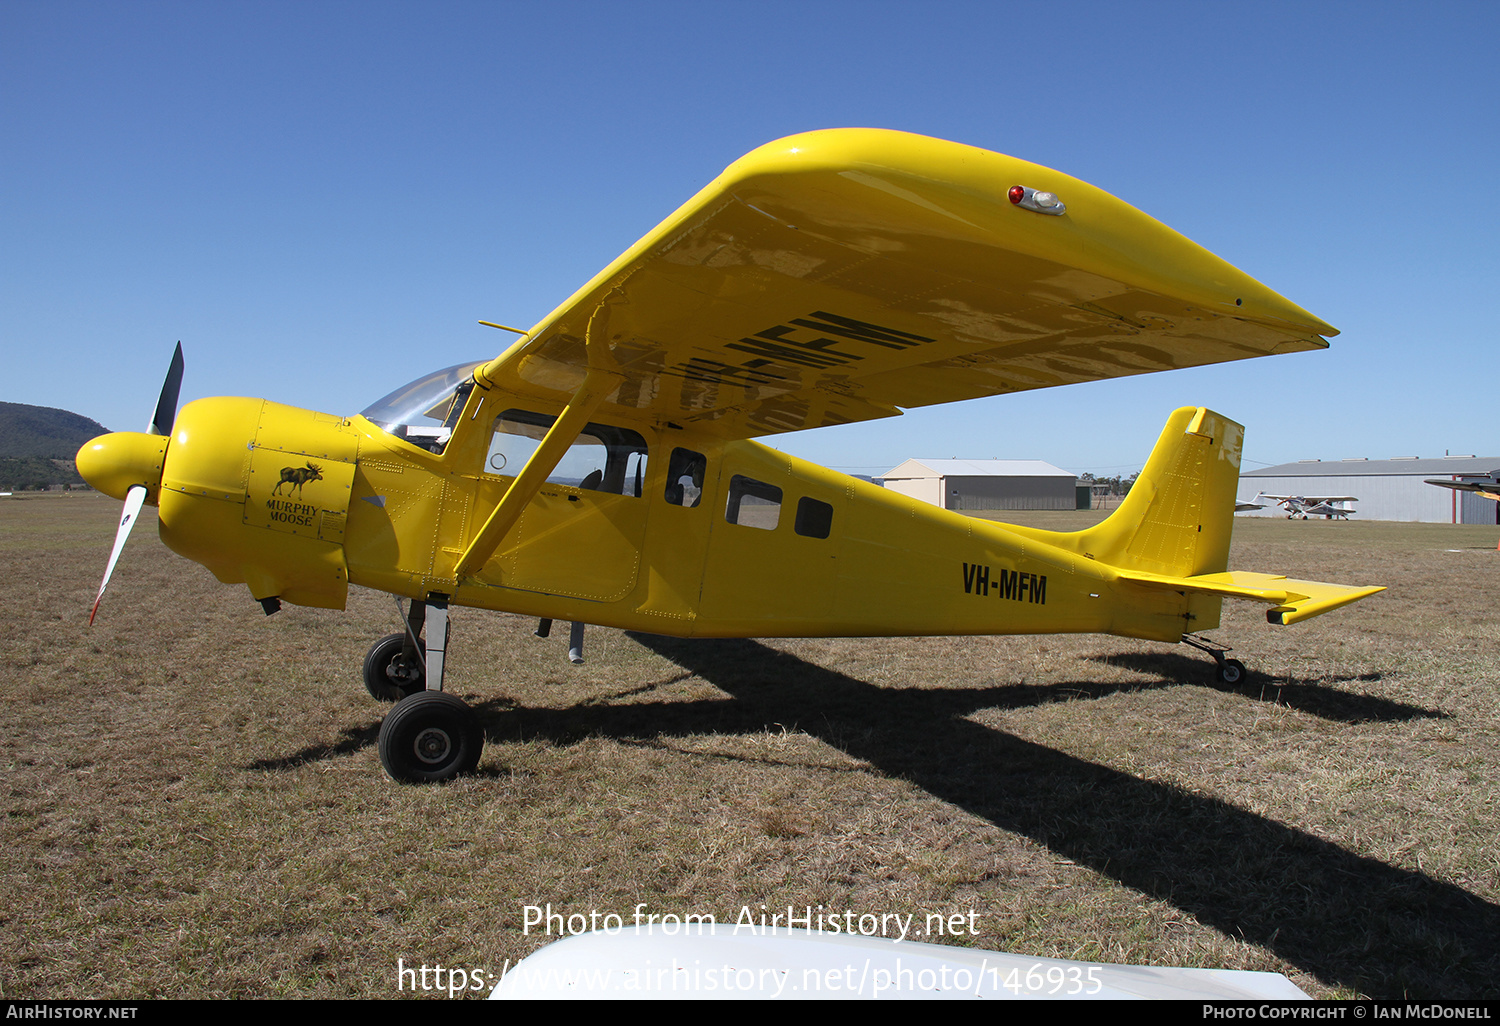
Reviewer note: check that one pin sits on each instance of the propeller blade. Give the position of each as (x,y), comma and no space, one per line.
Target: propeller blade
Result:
(166,403)
(133,501)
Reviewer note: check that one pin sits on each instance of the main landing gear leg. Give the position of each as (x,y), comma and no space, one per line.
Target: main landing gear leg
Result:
(1227,671)
(437,640)
(431,735)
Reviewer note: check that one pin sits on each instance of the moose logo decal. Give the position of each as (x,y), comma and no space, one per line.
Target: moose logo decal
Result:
(292,493)
(296,477)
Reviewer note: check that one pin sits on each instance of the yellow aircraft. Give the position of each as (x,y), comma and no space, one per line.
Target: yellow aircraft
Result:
(601,469)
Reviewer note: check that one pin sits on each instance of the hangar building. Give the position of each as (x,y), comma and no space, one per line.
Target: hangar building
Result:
(1393,489)
(985,484)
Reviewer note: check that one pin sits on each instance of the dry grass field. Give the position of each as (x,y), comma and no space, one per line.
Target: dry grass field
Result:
(194,806)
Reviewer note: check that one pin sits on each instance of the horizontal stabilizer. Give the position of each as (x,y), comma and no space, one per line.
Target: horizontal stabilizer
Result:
(1293,600)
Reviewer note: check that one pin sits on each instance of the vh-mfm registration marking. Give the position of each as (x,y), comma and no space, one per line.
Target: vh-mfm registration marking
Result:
(780,353)
(1016,585)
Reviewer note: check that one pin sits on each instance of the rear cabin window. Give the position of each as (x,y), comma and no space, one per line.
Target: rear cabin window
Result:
(753,503)
(814,518)
(603,458)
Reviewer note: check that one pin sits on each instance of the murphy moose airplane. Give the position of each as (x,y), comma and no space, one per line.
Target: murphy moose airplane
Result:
(602,470)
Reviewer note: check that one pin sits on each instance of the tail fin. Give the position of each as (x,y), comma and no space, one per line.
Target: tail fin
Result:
(1171,535)
(1172,531)
(1177,519)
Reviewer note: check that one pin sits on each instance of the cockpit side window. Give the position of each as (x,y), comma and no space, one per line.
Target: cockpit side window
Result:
(603,458)
(685,473)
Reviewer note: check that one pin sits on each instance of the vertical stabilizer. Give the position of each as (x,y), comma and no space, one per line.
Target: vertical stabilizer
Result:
(1179,514)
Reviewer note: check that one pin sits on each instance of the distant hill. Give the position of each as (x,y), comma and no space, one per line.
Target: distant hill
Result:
(43,431)
(38,443)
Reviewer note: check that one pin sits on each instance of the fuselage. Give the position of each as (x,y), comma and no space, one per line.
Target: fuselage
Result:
(642,526)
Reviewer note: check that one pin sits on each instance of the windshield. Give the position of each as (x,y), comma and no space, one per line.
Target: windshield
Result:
(423,412)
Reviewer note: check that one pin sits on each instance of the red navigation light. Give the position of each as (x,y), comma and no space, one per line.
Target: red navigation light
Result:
(1041,201)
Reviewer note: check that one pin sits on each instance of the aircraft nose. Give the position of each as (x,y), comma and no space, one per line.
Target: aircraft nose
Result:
(116,462)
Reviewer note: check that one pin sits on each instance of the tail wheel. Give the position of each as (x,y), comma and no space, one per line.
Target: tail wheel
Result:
(430,736)
(1230,671)
(389,675)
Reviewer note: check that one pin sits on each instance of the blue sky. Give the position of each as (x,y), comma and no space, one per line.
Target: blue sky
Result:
(320,199)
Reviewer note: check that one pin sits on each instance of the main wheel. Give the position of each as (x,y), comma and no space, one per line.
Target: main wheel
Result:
(430,736)
(390,676)
(1230,671)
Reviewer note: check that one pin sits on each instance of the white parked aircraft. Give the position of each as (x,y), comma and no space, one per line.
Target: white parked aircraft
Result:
(1300,507)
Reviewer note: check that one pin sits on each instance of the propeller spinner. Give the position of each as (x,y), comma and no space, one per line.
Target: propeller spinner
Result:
(128,464)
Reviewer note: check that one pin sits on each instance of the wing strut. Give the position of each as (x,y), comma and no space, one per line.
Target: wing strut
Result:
(600,380)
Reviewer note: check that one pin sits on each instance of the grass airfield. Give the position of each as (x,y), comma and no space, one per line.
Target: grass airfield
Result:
(194,806)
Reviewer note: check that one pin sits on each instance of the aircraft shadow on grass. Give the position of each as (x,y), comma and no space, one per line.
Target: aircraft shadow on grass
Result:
(1305,694)
(352,739)
(1350,920)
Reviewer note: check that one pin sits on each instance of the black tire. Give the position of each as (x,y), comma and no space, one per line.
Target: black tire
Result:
(1231,672)
(430,736)
(388,675)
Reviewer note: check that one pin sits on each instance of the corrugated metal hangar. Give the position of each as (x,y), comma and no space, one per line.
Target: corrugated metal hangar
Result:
(1394,489)
(985,484)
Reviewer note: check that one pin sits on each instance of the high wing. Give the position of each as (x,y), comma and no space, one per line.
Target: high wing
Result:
(842,275)
(1486,489)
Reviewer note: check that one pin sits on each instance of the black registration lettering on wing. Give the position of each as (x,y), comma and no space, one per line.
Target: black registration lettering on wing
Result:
(819,341)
